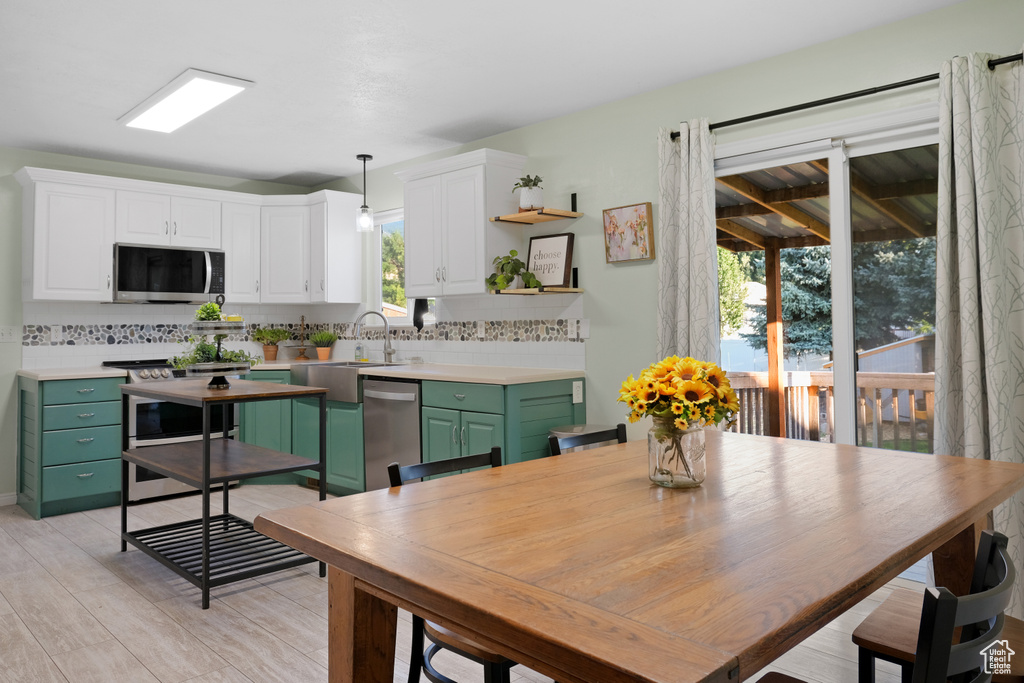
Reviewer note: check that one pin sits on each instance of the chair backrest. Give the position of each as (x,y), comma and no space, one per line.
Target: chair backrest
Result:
(559,444)
(399,475)
(980,613)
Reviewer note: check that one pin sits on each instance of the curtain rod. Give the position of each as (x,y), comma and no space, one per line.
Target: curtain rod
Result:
(992,64)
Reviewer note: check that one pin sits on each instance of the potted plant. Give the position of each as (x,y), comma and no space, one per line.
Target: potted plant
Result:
(323,341)
(208,312)
(531,194)
(270,337)
(198,350)
(506,270)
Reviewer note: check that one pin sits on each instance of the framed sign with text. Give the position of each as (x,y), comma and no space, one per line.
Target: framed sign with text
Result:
(550,259)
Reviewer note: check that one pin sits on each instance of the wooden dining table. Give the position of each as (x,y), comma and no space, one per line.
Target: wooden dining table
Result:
(580,568)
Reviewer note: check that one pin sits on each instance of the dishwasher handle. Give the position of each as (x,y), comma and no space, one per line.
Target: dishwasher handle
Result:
(389,395)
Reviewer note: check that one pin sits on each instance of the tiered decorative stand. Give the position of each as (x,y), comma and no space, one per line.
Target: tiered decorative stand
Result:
(218,370)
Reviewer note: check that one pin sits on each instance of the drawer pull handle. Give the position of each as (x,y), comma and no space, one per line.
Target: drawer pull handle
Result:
(85,476)
(85,415)
(86,391)
(461,397)
(86,440)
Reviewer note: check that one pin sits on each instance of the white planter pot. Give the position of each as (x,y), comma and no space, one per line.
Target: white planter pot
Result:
(531,198)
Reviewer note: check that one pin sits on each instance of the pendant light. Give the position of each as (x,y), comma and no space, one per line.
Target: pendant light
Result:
(364,221)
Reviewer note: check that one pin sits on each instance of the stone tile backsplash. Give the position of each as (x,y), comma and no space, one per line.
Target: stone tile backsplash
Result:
(70,335)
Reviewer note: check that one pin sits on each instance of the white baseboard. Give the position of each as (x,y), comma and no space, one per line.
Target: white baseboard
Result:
(8,499)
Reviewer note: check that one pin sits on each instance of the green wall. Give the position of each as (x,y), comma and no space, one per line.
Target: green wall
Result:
(608,155)
(10,259)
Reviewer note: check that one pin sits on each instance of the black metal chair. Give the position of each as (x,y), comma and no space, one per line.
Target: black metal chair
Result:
(939,654)
(888,633)
(558,444)
(496,667)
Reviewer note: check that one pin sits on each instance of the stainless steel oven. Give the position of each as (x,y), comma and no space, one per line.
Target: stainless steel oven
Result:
(152,422)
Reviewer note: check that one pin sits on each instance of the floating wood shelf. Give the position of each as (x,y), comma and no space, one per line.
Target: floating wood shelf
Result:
(540,290)
(540,216)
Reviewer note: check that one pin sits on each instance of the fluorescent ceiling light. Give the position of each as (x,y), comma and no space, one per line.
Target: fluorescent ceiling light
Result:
(191,94)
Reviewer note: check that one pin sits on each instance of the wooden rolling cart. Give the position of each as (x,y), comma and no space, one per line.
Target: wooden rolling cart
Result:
(215,550)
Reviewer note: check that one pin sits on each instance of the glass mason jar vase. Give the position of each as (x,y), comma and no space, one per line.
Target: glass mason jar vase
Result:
(676,455)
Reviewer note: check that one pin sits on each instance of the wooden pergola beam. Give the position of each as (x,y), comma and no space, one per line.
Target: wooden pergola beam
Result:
(773,311)
(883,235)
(737,230)
(741,211)
(894,212)
(756,194)
(912,188)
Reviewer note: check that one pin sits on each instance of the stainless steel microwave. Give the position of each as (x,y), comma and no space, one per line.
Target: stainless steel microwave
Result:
(146,273)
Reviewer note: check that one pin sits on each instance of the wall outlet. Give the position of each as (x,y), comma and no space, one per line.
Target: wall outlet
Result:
(481,331)
(572,328)
(56,333)
(9,334)
(577,391)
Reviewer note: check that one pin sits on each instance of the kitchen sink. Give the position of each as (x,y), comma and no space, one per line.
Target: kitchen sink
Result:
(340,378)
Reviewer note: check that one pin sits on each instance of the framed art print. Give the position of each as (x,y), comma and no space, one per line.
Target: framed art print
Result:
(628,233)
(550,259)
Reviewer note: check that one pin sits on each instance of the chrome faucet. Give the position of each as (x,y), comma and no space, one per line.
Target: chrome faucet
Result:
(389,353)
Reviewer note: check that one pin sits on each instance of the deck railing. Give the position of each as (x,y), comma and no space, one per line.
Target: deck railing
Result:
(894,410)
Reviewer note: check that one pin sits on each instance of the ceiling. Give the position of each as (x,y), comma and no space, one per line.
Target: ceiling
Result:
(894,196)
(394,78)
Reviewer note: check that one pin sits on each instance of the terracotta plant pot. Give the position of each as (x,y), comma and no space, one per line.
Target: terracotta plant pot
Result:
(270,352)
(323,352)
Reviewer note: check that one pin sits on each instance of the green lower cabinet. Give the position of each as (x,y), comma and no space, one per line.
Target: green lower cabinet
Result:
(268,424)
(345,465)
(450,433)
(69,444)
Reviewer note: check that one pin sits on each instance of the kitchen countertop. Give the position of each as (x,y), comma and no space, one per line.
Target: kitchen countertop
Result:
(443,372)
(47,374)
(440,372)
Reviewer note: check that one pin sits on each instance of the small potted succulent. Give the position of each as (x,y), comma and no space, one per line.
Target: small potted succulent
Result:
(323,341)
(506,270)
(531,194)
(270,337)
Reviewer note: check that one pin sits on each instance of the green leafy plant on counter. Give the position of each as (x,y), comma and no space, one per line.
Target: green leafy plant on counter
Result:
(198,350)
(270,336)
(506,269)
(323,339)
(210,311)
(527,181)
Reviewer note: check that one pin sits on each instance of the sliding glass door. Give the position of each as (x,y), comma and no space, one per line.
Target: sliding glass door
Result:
(826,272)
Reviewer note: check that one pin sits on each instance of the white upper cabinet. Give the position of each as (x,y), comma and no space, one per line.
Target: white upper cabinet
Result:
(450,240)
(336,249)
(423,210)
(240,225)
(161,219)
(284,273)
(67,242)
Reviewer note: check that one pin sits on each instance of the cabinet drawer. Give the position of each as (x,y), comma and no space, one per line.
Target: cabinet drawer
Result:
(76,415)
(82,390)
(81,445)
(480,398)
(82,479)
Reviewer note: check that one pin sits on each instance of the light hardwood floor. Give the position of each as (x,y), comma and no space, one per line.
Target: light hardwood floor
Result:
(73,608)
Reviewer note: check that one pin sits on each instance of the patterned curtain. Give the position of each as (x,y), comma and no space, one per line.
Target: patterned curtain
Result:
(688,260)
(979,350)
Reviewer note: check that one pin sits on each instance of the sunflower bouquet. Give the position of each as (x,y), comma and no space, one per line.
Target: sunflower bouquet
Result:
(685,391)
(680,394)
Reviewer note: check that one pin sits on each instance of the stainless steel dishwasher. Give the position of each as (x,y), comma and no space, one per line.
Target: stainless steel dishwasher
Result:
(391,427)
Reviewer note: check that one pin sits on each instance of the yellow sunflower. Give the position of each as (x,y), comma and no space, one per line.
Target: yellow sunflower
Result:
(694,392)
(677,408)
(689,369)
(681,423)
(715,376)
